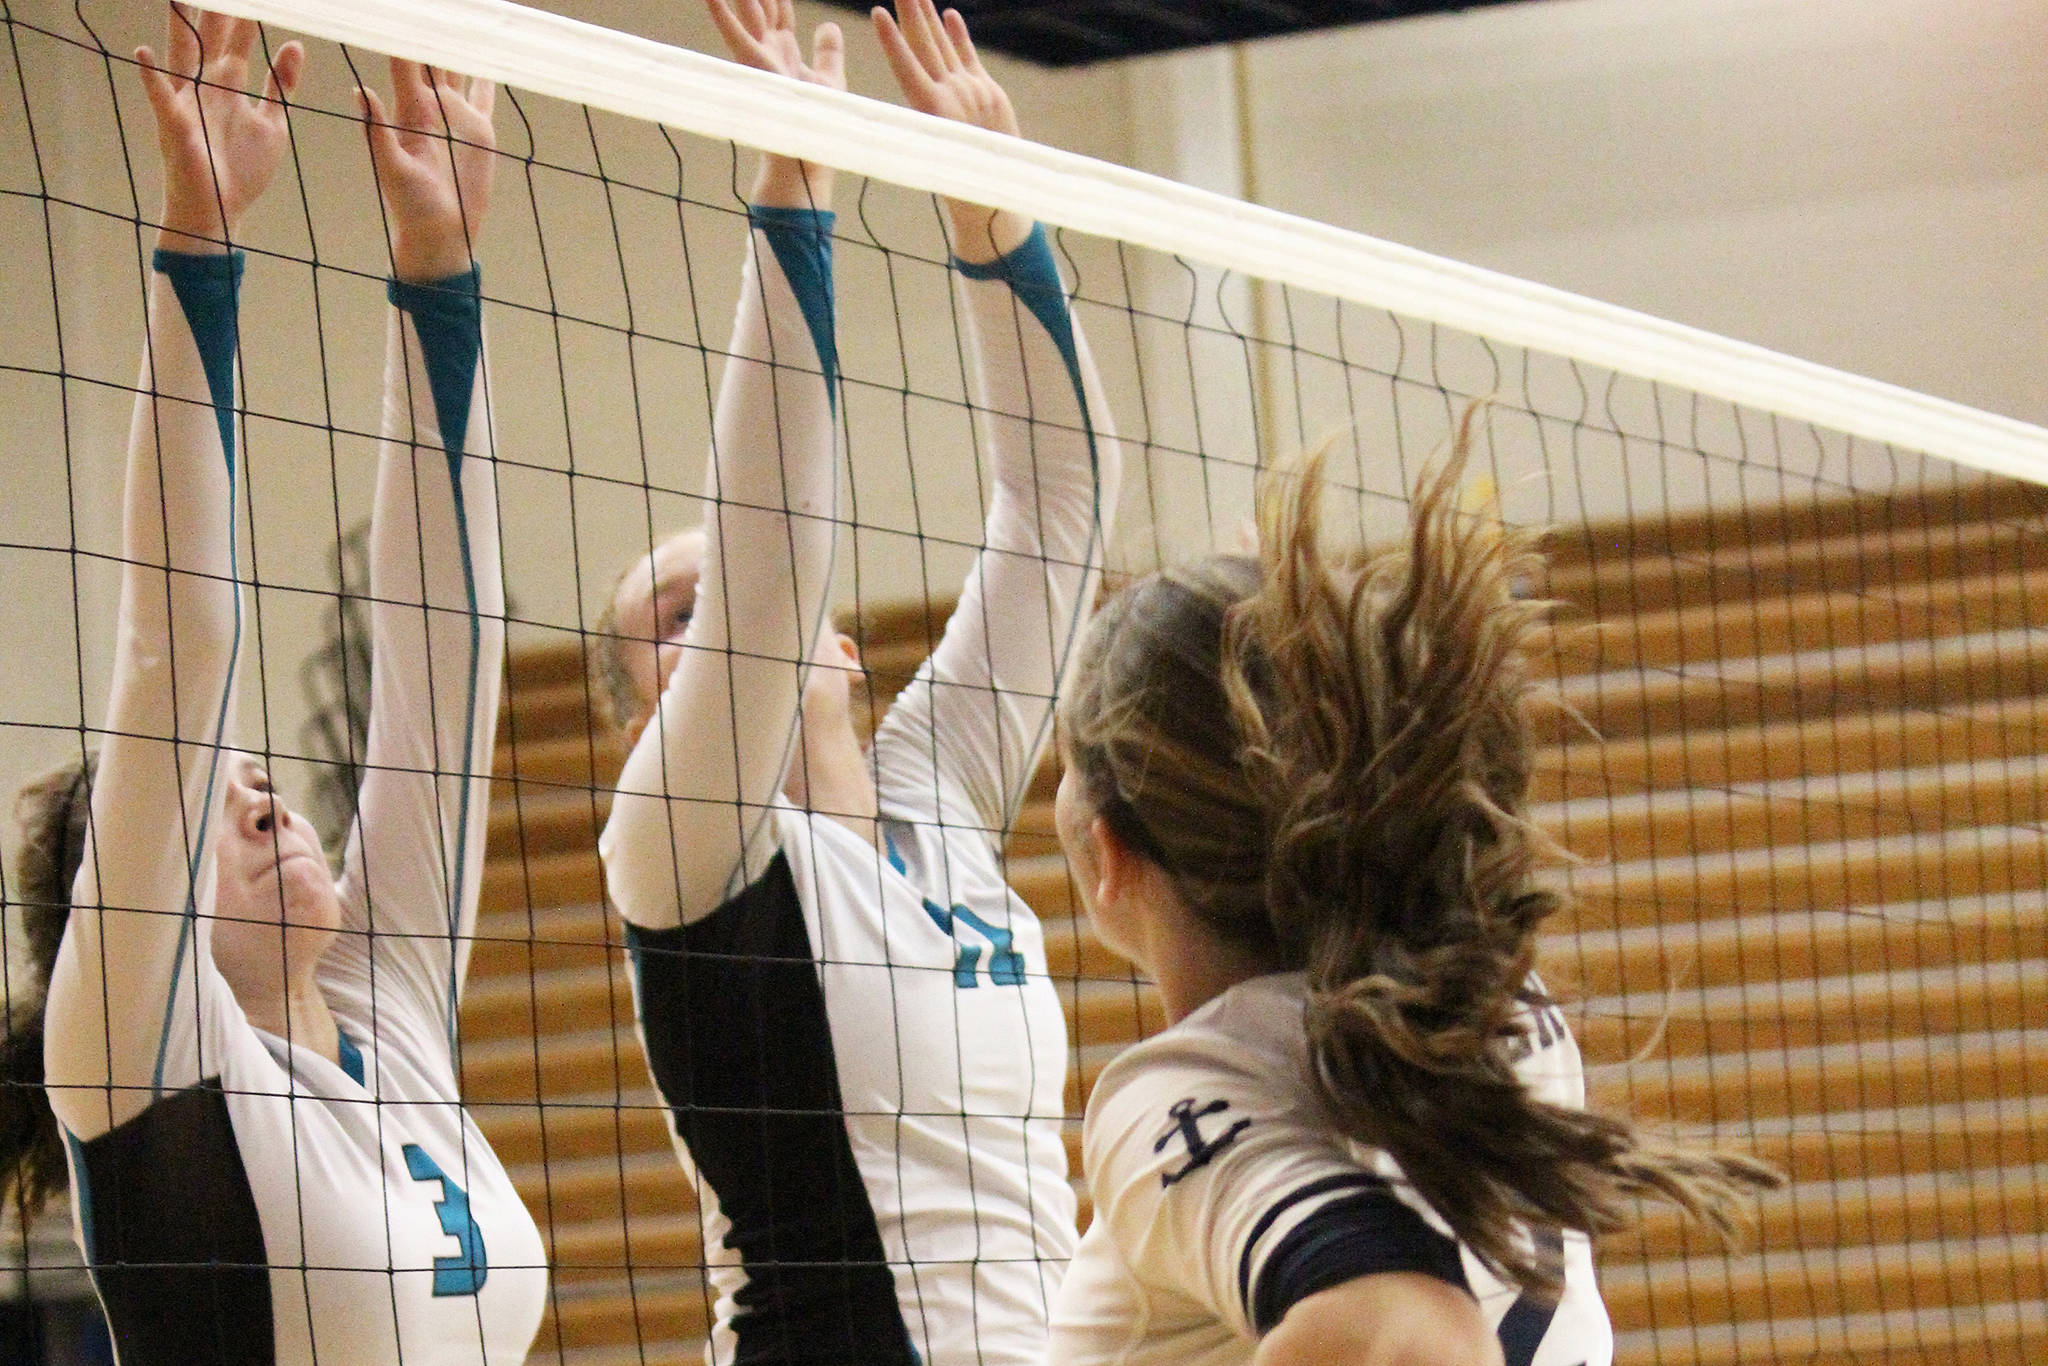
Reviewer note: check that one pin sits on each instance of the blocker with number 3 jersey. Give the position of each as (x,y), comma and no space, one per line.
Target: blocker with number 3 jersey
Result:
(242,1200)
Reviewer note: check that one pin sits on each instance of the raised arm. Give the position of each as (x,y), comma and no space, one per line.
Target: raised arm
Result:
(124,998)
(414,862)
(689,825)
(975,720)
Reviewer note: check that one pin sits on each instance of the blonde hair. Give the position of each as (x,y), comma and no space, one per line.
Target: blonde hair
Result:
(614,696)
(1329,754)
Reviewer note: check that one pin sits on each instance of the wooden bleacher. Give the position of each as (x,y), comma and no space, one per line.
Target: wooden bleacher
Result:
(1811,923)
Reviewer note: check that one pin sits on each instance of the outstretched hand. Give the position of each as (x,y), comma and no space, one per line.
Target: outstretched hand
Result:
(435,157)
(220,146)
(940,73)
(762,34)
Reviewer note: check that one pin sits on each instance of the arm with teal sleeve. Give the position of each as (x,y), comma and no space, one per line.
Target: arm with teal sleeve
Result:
(134,979)
(690,824)
(972,724)
(414,862)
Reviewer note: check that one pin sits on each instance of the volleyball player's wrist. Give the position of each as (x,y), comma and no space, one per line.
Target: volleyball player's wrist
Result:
(787,183)
(192,228)
(424,258)
(982,235)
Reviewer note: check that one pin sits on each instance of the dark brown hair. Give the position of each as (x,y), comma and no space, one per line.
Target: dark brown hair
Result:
(51,812)
(1329,753)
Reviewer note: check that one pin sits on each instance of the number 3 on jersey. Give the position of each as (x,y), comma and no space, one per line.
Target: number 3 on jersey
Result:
(462,1274)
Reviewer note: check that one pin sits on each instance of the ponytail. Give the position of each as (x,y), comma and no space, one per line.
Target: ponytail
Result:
(52,813)
(1330,754)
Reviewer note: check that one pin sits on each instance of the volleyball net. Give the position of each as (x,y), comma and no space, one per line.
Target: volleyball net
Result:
(1801,634)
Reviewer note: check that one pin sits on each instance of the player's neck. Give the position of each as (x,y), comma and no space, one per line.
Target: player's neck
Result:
(830,775)
(296,1009)
(1192,967)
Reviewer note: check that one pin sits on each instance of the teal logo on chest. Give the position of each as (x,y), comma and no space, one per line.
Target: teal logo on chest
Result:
(1005,964)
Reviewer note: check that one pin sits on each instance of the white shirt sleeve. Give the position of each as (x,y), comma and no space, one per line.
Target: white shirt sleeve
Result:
(962,740)
(691,822)
(133,993)
(413,866)
(1203,1162)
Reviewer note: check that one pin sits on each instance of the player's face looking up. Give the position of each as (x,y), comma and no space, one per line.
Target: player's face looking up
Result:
(274,897)
(652,608)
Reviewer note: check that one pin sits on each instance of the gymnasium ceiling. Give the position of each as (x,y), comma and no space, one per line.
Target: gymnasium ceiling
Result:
(1071,32)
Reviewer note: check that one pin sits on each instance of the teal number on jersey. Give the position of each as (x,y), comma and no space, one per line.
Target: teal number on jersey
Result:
(1005,964)
(462,1274)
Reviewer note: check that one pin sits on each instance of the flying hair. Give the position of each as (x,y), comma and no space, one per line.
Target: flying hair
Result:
(1329,752)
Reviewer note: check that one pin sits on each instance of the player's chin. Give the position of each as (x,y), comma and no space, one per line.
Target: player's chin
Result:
(298,893)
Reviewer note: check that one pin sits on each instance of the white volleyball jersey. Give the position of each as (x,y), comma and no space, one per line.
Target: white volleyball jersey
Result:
(1223,1196)
(863,1054)
(241,1199)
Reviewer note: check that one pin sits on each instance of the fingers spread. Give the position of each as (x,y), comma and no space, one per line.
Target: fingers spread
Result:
(828,55)
(156,83)
(182,42)
(483,96)
(909,71)
(412,93)
(963,42)
(213,32)
(240,42)
(286,65)
(742,28)
(383,137)
(936,47)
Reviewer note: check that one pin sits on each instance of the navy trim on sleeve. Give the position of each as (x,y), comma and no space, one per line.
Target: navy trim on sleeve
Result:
(802,242)
(1322,1186)
(448,315)
(1522,1329)
(1359,1235)
(209,290)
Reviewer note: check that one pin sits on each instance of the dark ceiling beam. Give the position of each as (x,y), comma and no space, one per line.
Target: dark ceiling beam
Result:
(1073,32)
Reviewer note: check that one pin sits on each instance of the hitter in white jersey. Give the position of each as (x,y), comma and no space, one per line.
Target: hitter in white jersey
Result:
(1296,796)
(845,1007)
(252,1064)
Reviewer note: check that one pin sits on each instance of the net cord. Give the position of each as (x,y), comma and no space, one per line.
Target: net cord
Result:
(636,77)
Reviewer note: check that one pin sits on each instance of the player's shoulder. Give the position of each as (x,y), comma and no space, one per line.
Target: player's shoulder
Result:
(1240,1059)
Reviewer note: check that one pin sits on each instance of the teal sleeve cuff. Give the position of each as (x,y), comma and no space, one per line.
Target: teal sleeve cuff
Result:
(781,216)
(458,297)
(1027,267)
(1034,277)
(447,314)
(802,242)
(208,287)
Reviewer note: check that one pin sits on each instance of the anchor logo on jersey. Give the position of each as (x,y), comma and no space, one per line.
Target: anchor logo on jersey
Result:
(1188,1129)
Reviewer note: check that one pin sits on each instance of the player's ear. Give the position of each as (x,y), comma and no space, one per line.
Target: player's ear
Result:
(1117,867)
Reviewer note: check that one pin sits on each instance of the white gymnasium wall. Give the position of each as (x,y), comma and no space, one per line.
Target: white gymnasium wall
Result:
(1859,182)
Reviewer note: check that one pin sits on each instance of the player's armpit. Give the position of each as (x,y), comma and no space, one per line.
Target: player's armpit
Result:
(1396,1318)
